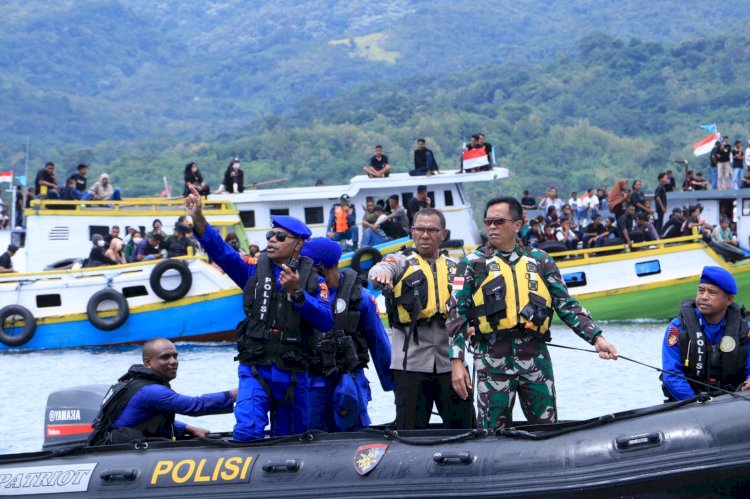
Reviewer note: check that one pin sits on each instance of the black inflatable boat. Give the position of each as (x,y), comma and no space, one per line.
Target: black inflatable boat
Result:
(695,447)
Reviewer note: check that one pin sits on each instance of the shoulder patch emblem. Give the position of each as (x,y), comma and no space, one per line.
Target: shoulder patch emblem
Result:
(674,336)
(323,291)
(368,457)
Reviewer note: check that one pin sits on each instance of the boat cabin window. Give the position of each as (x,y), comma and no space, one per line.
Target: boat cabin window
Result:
(575,279)
(314,215)
(133,291)
(248,218)
(139,228)
(650,267)
(102,230)
(43,301)
(448,195)
(405,197)
(745,207)
(279,212)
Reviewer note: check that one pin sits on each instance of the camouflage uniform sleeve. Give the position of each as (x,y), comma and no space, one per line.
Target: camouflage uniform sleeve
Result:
(458,309)
(568,309)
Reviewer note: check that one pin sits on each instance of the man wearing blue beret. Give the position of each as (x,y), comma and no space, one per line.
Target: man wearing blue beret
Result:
(707,342)
(284,302)
(339,390)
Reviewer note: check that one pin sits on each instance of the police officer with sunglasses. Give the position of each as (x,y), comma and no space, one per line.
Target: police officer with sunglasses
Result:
(284,301)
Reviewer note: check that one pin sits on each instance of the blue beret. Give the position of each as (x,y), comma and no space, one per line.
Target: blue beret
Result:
(291,224)
(721,278)
(322,251)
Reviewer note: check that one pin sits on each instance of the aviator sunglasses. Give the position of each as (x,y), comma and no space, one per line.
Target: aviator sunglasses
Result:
(280,236)
(497,221)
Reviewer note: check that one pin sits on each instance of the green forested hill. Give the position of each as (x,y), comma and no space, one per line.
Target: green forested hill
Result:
(81,79)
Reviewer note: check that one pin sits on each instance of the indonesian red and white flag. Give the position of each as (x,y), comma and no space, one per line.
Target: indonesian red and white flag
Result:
(705,145)
(6,176)
(475,158)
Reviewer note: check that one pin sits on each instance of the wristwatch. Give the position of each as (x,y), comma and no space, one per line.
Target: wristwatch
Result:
(298,297)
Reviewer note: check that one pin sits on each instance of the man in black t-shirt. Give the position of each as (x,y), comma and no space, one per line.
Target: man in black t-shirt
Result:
(379,165)
(487,147)
(46,178)
(660,198)
(421,200)
(528,202)
(594,234)
(6,265)
(424,160)
(80,179)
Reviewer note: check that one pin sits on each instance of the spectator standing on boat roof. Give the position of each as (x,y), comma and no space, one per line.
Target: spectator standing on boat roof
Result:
(617,198)
(80,179)
(46,178)
(416,203)
(339,390)
(713,162)
(660,198)
(234,178)
(6,264)
(379,166)
(551,199)
(707,341)
(723,165)
(103,190)
(424,160)
(192,176)
(143,405)
(342,222)
(488,148)
(20,203)
(510,351)
(417,285)
(284,302)
(738,162)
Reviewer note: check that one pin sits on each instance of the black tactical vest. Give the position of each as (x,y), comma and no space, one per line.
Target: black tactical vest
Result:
(271,332)
(115,401)
(706,362)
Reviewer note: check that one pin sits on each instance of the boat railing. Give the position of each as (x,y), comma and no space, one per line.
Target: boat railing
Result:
(127,207)
(586,255)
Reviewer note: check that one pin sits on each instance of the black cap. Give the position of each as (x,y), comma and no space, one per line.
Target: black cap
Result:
(12,247)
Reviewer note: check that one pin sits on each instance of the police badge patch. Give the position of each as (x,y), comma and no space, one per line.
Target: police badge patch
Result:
(727,344)
(368,457)
(674,336)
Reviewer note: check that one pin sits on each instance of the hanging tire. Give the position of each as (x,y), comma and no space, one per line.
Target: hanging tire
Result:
(186,280)
(29,325)
(67,264)
(361,253)
(107,294)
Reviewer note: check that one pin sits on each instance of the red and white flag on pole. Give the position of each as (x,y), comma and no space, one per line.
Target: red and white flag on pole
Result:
(705,145)
(6,176)
(475,158)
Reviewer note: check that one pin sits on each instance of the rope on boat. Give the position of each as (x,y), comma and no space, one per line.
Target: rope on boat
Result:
(711,388)
(425,441)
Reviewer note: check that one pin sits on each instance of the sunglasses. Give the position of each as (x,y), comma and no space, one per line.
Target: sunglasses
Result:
(497,222)
(280,236)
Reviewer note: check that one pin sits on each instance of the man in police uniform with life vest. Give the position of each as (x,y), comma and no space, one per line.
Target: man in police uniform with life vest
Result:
(707,342)
(284,302)
(417,288)
(504,295)
(143,405)
(339,390)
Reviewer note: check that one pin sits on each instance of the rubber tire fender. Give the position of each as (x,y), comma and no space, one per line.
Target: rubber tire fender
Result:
(186,280)
(28,330)
(362,252)
(123,310)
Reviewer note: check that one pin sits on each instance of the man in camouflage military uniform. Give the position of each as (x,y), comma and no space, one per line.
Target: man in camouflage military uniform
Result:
(503,299)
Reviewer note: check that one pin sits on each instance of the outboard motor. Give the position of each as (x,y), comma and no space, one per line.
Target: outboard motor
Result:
(69,413)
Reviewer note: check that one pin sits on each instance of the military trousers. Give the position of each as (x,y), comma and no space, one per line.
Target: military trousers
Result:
(507,366)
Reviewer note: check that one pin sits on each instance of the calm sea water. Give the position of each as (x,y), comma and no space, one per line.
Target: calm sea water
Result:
(586,386)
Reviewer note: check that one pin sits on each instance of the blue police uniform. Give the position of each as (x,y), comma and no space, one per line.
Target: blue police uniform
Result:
(339,402)
(264,384)
(683,355)
(153,400)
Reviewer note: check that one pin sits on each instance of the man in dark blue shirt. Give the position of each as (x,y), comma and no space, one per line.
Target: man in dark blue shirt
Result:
(379,165)
(284,302)
(339,390)
(707,342)
(143,405)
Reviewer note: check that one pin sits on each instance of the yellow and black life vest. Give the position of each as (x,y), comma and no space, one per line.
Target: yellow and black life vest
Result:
(512,297)
(417,292)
